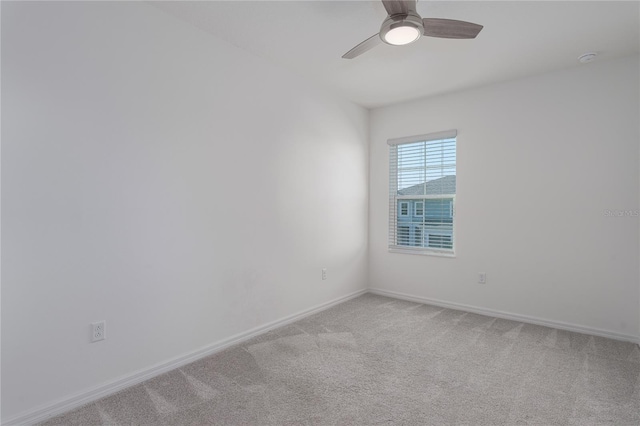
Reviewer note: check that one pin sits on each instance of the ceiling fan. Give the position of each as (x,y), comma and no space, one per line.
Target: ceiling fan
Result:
(403,26)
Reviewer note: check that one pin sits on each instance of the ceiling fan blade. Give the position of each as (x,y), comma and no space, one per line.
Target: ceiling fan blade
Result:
(395,7)
(368,44)
(450,28)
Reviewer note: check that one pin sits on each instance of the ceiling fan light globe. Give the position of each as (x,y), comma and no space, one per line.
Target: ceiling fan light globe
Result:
(402,35)
(397,30)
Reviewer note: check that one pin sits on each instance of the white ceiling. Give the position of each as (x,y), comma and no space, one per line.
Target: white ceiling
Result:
(519,39)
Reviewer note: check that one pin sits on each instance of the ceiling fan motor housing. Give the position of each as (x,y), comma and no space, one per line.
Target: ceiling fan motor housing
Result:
(411,19)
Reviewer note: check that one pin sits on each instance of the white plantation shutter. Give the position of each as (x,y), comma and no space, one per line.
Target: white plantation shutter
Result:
(422,188)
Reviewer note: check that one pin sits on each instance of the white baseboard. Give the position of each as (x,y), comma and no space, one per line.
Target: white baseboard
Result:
(82,398)
(508,315)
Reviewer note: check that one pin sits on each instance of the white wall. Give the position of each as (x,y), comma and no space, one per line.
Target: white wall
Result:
(539,161)
(166,182)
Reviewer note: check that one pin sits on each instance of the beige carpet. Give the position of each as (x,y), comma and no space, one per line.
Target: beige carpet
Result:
(375,360)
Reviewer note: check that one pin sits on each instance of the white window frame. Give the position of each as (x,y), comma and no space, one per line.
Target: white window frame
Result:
(394,199)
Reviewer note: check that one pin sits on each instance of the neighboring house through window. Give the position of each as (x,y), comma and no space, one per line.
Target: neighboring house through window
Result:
(417,237)
(403,234)
(439,241)
(422,192)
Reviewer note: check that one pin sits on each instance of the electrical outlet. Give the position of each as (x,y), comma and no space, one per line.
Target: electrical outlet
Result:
(324,273)
(482,277)
(98,331)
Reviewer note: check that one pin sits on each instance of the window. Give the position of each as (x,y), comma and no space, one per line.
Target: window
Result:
(419,208)
(422,188)
(404,208)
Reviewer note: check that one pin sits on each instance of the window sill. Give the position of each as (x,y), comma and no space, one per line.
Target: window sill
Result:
(435,253)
